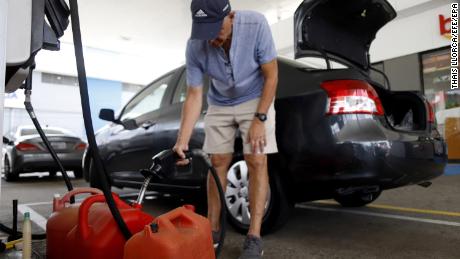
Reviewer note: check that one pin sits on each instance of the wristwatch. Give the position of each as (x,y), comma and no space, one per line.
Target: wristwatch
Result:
(261,116)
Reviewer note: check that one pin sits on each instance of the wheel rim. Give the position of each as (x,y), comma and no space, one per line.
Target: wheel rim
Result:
(237,193)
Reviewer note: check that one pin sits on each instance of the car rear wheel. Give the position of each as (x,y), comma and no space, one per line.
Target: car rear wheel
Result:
(277,207)
(8,171)
(357,199)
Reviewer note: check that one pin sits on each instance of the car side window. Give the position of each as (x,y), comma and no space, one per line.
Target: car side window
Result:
(148,101)
(181,90)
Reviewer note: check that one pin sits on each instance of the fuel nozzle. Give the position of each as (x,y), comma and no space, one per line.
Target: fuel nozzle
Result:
(163,163)
(167,157)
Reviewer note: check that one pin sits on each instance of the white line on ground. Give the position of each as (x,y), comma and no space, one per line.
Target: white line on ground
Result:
(34,216)
(381,215)
(80,200)
(38,203)
(46,203)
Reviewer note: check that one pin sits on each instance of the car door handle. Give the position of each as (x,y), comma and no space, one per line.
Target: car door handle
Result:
(148,124)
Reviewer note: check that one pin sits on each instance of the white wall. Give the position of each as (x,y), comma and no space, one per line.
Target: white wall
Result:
(54,105)
(283,34)
(65,98)
(410,35)
(109,65)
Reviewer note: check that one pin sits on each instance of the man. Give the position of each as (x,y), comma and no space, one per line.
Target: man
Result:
(237,51)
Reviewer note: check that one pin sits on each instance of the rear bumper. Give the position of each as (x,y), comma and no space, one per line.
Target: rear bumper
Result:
(44,162)
(389,164)
(360,150)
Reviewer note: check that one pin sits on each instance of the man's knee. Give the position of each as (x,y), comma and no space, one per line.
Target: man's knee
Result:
(256,162)
(221,160)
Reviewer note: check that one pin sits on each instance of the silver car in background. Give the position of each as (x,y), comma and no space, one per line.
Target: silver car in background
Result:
(25,152)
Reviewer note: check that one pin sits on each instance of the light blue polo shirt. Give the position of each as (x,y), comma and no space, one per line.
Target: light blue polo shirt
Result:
(239,78)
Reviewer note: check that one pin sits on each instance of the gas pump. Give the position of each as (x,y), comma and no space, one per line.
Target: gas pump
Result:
(29,26)
(33,25)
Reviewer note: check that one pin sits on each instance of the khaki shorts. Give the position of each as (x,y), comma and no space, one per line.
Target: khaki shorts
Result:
(222,122)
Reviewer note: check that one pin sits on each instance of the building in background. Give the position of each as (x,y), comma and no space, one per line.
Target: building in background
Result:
(56,100)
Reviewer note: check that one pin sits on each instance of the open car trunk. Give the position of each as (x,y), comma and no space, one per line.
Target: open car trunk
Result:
(405,111)
(343,31)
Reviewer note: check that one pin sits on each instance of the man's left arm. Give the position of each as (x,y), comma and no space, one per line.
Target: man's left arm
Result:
(270,73)
(256,135)
(266,56)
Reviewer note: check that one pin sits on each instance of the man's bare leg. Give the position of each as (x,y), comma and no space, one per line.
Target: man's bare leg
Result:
(221,163)
(258,190)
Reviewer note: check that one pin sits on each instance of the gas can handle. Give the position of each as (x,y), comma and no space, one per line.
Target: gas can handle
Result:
(83,213)
(59,204)
(165,220)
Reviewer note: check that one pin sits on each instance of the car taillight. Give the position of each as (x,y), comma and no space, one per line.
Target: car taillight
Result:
(431,118)
(26,147)
(80,146)
(352,97)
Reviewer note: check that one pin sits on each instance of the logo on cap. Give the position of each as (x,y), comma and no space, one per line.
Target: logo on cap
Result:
(200,13)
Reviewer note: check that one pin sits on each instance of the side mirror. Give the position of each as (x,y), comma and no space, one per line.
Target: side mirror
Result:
(107,115)
(7,141)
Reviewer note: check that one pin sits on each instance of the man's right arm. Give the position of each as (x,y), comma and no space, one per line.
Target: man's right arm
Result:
(192,106)
(190,113)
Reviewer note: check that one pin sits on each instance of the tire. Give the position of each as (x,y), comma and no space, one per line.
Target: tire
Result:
(53,173)
(277,209)
(78,173)
(8,171)
(94,180)
(357,199)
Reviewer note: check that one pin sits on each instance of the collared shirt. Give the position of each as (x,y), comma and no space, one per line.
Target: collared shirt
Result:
(237,78)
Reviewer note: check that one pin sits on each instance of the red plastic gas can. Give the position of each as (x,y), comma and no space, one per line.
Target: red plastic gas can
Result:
(97,235)
(180,233)
(62,220)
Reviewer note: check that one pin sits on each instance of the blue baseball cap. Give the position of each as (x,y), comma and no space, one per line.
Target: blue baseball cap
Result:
(208,16)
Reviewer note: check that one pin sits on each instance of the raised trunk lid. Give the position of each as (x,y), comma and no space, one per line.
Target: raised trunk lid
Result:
(341,28)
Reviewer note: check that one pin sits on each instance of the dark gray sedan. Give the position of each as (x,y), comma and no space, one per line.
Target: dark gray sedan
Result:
(25,152)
